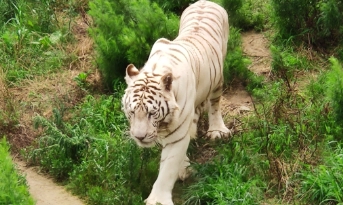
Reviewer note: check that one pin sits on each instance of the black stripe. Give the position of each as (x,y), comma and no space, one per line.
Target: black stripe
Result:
(176,141)
(176,128)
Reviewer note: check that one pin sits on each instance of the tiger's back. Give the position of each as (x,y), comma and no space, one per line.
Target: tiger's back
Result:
(202,43)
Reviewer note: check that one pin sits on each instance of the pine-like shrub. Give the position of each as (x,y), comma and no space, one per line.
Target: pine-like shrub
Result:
(246,14)
(317,22)
(175,6)
(124,32)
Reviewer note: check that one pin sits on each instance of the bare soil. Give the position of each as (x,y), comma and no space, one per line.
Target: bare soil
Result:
(236,100)
(44,190)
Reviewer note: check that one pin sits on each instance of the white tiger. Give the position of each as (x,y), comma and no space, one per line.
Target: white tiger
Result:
(164,99)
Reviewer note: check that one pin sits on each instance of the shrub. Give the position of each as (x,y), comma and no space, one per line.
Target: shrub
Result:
(13,186)
(247,14)
(318,22)
(124,32)
(174,6)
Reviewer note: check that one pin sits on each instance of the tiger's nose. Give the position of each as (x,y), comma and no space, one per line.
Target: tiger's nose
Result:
(140,138)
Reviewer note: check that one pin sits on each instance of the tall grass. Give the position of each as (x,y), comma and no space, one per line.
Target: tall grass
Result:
(13,186)
(324,184)
(227,179)
(30,40)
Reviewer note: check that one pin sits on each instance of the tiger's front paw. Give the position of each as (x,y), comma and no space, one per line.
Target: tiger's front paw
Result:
(158,199)
(219,133)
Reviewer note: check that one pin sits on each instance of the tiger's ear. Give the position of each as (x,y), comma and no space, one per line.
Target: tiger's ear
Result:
(131,73)
(167,81)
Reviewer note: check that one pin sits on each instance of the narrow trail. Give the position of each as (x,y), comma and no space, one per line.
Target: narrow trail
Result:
(237,100)
(44,190)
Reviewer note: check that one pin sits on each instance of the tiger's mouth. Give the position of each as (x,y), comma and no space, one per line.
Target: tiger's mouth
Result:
(148,141)
(146,144)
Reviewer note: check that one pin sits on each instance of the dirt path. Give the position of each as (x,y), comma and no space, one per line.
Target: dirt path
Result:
(44,190)
(237,101)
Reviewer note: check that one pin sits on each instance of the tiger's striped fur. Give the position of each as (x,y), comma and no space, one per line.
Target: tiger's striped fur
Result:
(164,99)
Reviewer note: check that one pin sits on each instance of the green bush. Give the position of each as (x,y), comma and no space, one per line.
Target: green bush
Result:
(13,186)
(247,14)
(124,32)
(174,6)
(317,22)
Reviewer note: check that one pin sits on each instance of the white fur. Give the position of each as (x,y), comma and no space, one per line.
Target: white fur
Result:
(196,75)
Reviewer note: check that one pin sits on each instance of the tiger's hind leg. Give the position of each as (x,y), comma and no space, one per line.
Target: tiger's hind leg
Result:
(184,170)
(217,128)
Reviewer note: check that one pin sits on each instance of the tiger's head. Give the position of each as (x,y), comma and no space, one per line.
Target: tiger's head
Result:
(147,103)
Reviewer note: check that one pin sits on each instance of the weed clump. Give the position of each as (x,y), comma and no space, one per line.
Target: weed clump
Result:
(317,23)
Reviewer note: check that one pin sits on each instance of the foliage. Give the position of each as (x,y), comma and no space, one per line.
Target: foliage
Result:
(286,64)
(124,33)
(174,6)
(247,14)
(8,106)
(291,124)
(334,82)
(323,184)
(228,179)
(13,186)
(6,10)
(30,32)
(317,22)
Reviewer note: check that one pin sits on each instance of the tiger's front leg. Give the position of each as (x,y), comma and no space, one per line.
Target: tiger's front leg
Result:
(172,158)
